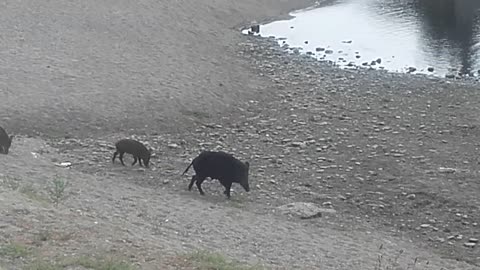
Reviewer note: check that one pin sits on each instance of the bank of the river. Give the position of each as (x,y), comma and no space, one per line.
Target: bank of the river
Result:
(393,157)
(396,151)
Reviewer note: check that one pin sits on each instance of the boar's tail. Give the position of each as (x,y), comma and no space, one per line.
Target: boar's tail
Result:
(187,168)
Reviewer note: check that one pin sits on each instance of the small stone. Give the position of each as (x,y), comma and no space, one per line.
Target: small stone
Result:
(255,28)
(446,170)
(319,49)
(469,245)
(173,145)
(411,196)
(425,226)
(273,182)
(304,210)
(327,203)
(473,240)
(328,51)
(64,164)
(411,69)
(379,60)
(430,69)
(166,181)
(299,144)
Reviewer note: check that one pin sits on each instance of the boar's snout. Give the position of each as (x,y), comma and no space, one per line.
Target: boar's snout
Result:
(4,149)
(245,186)
(146,162)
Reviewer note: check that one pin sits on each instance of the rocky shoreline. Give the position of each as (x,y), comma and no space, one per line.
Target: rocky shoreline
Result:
(401,148)
(363,158)
(308,57)
(374,150)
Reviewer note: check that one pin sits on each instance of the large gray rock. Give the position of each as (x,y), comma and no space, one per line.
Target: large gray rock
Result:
(304,210)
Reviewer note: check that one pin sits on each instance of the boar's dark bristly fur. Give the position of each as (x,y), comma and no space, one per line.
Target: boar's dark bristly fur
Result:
(5,141)
(221,166)
(137,149)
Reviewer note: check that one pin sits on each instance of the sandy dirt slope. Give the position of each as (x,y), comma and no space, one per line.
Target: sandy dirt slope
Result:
(111,213)
(80,68)
(370,145)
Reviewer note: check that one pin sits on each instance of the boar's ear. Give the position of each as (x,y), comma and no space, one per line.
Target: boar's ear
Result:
(247,164)
(11,137)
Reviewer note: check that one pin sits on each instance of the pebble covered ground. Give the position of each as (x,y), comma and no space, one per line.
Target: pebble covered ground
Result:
(342,162)
(393,151)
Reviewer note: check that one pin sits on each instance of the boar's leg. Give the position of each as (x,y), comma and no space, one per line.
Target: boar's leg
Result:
(227,185)
(199,184)
(121,158)
(113,158)
(140,162)
(191,182)
(199,181)
(135,159)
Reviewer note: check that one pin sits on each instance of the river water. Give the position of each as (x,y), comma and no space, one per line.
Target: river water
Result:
(438,37)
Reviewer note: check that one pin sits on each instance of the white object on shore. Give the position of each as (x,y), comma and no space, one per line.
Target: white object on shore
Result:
(64,164)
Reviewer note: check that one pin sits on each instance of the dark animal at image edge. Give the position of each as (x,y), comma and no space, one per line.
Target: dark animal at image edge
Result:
(137,149)
(221,166)
(5,141)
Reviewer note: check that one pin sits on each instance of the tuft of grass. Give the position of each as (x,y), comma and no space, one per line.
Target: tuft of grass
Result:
(30,192)
(236,204)
(57,190)
(41,237)
(10,182)
(204,260)
(389,263)
(102,263)
(43,265)
(14,251)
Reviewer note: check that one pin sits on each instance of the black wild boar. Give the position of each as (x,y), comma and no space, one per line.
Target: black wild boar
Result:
(137,149)
(5,141)
(221,166)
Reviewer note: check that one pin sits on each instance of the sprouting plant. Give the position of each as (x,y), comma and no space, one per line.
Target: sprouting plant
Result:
(57,190)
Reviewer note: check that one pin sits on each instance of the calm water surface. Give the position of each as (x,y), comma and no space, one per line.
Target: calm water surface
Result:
(421,34)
